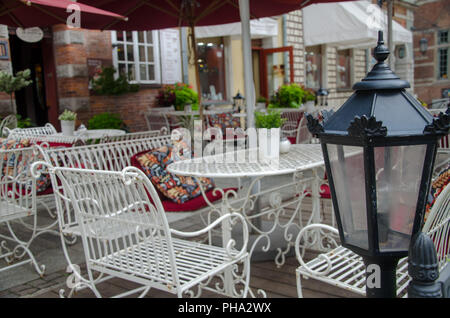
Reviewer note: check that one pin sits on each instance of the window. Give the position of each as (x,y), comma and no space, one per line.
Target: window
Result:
(136,56)
(313,69)
(442,54)
(211,58)
(343,72)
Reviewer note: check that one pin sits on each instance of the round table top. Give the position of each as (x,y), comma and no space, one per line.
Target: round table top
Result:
(300,157)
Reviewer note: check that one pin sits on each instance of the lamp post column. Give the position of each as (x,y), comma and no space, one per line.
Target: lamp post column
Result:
(381,279)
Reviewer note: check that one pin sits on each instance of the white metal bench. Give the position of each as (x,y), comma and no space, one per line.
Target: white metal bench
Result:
(343,268)
(8,123)
(48,129)
(18,207)
(126,235)
(136,135)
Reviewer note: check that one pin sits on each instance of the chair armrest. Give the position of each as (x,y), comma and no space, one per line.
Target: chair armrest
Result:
(231,242)
(302,235)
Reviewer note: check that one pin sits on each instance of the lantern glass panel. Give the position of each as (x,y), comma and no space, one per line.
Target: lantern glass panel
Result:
(398,177)
(347,168)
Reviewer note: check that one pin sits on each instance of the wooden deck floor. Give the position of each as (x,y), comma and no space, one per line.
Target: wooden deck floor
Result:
(276,282)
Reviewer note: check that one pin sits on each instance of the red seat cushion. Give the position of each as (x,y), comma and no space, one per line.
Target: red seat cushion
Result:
(193,204)
(324,192)
(293,140)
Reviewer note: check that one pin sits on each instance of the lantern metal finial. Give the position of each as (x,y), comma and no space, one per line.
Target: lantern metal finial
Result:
(381,52)
(381,76)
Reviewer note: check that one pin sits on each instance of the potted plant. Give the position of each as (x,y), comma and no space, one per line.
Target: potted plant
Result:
(261,102)
(166,97)
(273,120)
(185,95)
(310,100)
(179,95)
(67,119)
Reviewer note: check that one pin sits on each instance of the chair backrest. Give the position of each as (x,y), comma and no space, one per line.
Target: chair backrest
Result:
(119,222)
(106,156)
(113,156)
(8,123)
(136,135)
(48,129)
(17,186)
(156,118)
(437,225)
(303,134)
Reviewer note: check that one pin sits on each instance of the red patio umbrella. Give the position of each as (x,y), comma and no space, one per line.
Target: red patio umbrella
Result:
(43,13)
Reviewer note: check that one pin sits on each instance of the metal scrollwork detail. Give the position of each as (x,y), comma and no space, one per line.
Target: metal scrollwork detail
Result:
(440,125)
(314,126)
(366,127)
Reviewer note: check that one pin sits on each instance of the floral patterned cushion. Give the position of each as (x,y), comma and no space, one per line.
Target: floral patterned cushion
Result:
(224,121)
(437,187)
(12,167)
(179,189)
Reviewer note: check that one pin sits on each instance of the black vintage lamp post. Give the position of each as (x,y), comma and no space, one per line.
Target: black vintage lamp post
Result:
(379,150)
(238,102)
(322,97)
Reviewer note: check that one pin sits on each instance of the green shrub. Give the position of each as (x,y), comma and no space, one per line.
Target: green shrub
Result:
(271,119)
(24,122)
(106,84)
(261,99)
(178,95)
(291,96)
(106,121)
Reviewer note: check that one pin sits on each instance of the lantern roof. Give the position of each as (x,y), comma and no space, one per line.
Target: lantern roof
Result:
(382,99)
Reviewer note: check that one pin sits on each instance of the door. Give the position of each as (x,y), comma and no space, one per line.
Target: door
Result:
(276,69)
(38,101)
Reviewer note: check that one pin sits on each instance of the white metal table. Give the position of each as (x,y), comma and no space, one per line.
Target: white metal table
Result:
(300,159)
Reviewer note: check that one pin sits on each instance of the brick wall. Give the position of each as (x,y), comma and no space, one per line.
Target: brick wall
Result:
(5,65)
(73,48)
(358,71)
(430,17)
(294,37)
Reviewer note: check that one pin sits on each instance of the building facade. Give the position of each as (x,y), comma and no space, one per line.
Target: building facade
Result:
(431,50)
(65,61)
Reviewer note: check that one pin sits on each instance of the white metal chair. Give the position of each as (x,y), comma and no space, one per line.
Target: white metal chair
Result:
(18,207)
(125,234)
(342,268)
(9,122)
(113,156)
(301,133)
(157,119)
(48,129)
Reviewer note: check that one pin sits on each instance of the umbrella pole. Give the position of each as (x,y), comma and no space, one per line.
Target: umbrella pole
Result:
(197,73)
(390,11)
(244,11)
